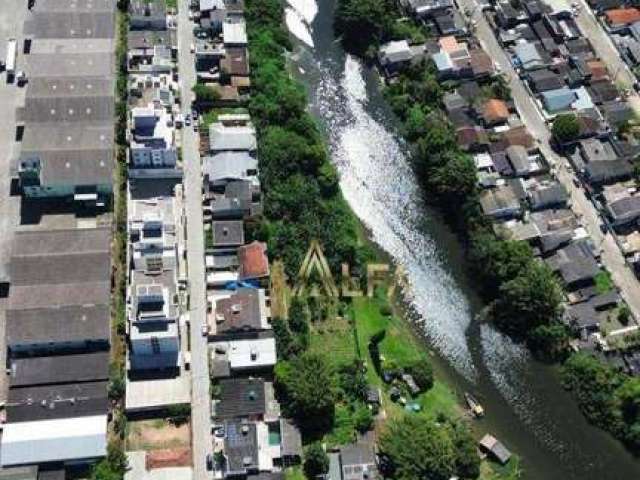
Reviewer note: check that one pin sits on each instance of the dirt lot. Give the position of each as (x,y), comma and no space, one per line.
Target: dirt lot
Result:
(157,434)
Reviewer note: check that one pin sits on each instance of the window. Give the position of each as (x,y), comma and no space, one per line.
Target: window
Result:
(155,345)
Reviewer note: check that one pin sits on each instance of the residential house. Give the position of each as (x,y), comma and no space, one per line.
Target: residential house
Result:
(394,56)
(254,263)
(558,100)
(547,195)
(212,14)
(233,133)
(227,233)
(575,264)
(619,18)
(243,314)
(234,32)
(543,80)
(624,210)
(227,167)
(500,203)
(527,55)
(239,199)
(495,112)
(154,336)
(145,15)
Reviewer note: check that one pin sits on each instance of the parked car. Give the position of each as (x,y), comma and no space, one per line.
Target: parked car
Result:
(209,462)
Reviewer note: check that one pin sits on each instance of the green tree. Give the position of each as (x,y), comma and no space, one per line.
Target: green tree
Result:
(362,418)
(362,23)
(422,373)
(594,385)
(306,385)
(497,261)
(566,127)
(205,93)
(418,447)
(529,300)
(316,461)
(624,314)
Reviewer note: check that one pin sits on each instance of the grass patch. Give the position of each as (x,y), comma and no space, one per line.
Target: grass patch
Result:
(157,434)
(334,338)
(603,281)
(493,471)
(212,115)
(294,473)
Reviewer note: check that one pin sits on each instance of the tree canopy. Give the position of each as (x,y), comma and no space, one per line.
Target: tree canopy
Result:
(566,127)
(306,384)
(418,447)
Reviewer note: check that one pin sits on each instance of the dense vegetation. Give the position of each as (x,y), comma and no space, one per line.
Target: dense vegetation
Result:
(414,447)
(302,199)
(566,128)
(608,398)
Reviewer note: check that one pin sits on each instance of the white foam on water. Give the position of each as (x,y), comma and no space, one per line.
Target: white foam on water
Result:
(380,186)
(298,26)
(308,9)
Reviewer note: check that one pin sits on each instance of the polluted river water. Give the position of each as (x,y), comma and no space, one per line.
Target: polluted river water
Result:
(526,406)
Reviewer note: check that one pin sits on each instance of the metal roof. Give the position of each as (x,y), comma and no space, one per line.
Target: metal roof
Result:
(54,440)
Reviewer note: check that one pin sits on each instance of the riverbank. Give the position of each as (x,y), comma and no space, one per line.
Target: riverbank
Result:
(340,341)
(523,294)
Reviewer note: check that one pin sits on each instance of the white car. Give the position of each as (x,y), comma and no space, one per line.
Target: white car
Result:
(192,48)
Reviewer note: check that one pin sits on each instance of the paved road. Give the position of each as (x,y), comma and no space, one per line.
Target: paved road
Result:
(532,118)
(200,403)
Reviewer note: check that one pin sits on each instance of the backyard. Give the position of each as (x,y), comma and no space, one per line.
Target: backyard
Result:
(157,434)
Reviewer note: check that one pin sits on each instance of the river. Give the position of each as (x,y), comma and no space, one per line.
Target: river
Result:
(526,407)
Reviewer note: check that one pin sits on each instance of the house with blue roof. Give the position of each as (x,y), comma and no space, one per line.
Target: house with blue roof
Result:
(557,100)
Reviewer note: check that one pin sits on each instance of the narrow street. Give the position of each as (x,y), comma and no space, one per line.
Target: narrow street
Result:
(200,403)
(611,255)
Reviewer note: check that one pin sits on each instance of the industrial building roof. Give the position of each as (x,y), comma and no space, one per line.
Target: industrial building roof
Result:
(69,65)
(54,440)
(57,369)
(65,136)
(62,324)
(70,87)
(67,109)
(89,24)
(45,402)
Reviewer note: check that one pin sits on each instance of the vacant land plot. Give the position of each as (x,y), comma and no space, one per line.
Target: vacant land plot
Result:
(157,434)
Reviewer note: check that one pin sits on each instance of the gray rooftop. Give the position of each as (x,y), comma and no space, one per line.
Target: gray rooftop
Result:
(240,447)
(69,65)
(241,397)
(62,324)
(238,138)
(28,404)
(60,46)
(59,369)
(70,24)
(70,87)
(67,109)
(229,165)
(76,6)
(73,167)
(65,136)
(228,233)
